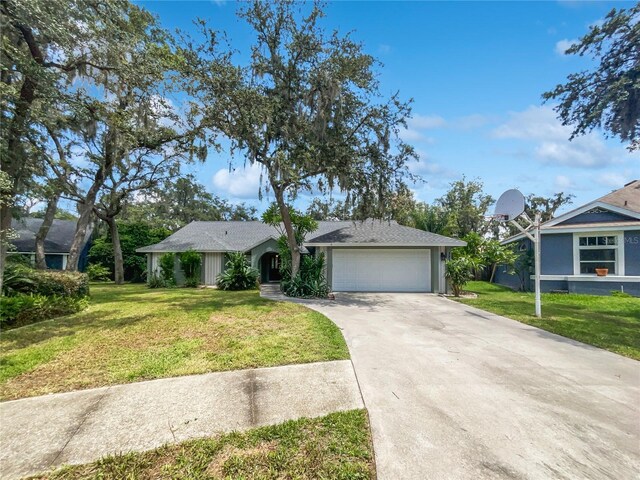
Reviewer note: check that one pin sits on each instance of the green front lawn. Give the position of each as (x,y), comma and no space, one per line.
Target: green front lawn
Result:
(612,323)
(337,446)
(131,333)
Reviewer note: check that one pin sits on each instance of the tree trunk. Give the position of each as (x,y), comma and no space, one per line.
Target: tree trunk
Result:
(118,260)
(291,236)
(49,215)
(493,272)
(5,226)
(81,232)
(90,201)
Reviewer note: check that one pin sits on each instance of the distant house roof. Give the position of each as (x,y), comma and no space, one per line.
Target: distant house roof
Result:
(381,233)
(241,236)
(626,197)
(58,239)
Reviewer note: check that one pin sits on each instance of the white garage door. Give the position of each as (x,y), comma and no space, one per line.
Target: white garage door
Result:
(381,270)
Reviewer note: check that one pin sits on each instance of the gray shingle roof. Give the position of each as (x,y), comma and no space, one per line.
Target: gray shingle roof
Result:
(214,237)
(58,239)
(382,233)
(243,236)
(626,197)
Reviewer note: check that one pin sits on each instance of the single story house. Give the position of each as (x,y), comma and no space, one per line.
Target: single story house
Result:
(369,256)
(56,245)
(603,234)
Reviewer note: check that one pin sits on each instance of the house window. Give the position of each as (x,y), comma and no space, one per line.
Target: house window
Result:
(598,251)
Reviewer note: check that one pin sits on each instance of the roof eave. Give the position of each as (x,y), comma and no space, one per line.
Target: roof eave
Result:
(577,228)
(457,243)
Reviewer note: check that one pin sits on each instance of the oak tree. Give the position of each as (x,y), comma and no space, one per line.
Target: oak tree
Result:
(308,109)
(607,96)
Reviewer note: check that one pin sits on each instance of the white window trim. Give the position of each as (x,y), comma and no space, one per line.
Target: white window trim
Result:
(590,278)
(619,252)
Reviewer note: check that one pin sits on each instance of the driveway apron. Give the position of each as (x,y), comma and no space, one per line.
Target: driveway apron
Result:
(454,393)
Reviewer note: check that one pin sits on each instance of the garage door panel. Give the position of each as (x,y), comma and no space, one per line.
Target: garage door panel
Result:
(381,270)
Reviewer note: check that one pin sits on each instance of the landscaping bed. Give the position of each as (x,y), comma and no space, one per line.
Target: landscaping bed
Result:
(131,333)
(337,446)
(609,322)
(31,296)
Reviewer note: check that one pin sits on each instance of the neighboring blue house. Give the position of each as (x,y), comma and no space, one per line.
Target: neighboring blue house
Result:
(603,234)
(56,245)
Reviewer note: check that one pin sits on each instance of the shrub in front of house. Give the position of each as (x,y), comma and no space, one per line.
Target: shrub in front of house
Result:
(190,262)
(54,282)
(460,270)
(167,263)
(155,280)
(310,281)
(17,278)
(238,274)
(22,279)
(24,309)
(98,273)
(34,295)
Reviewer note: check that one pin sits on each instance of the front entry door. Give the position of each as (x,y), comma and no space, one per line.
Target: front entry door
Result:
(271,267)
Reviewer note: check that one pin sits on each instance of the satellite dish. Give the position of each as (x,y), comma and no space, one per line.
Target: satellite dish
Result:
(510,205)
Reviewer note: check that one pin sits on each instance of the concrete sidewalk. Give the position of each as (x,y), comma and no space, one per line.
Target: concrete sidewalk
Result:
(78,427)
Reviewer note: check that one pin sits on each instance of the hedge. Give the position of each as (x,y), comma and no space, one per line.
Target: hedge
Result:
(23,309)
(50,283)
(36,295)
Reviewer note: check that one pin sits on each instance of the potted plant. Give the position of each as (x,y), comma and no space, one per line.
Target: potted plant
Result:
(602,272)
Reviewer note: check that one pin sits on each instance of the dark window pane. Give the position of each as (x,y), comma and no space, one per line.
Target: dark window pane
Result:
(607,254)
(602,240)
(583,241)
(612,240)
(591,241)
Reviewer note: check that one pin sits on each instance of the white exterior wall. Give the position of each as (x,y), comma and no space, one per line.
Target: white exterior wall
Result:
(212,267)
(154,267)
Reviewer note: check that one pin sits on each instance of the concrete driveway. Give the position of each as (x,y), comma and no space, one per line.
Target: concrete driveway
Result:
(454,392)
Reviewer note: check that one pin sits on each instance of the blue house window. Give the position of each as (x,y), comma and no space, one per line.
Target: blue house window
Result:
(598,251)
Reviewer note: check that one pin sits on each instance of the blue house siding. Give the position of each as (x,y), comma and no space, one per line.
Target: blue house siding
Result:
(594,287)
(632,252)
(83,261)
(604,288)
(503,278)
(547,286)
(596,217)
(557,254)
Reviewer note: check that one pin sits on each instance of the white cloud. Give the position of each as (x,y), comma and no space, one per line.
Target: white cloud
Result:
(416,125)
(562,182)
(563,45)
(551,145)
(426,166)
(425,122)
(242,183)
(613,179)
(410,135)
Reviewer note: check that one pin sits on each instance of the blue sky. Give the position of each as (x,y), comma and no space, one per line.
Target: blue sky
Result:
(476,72)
